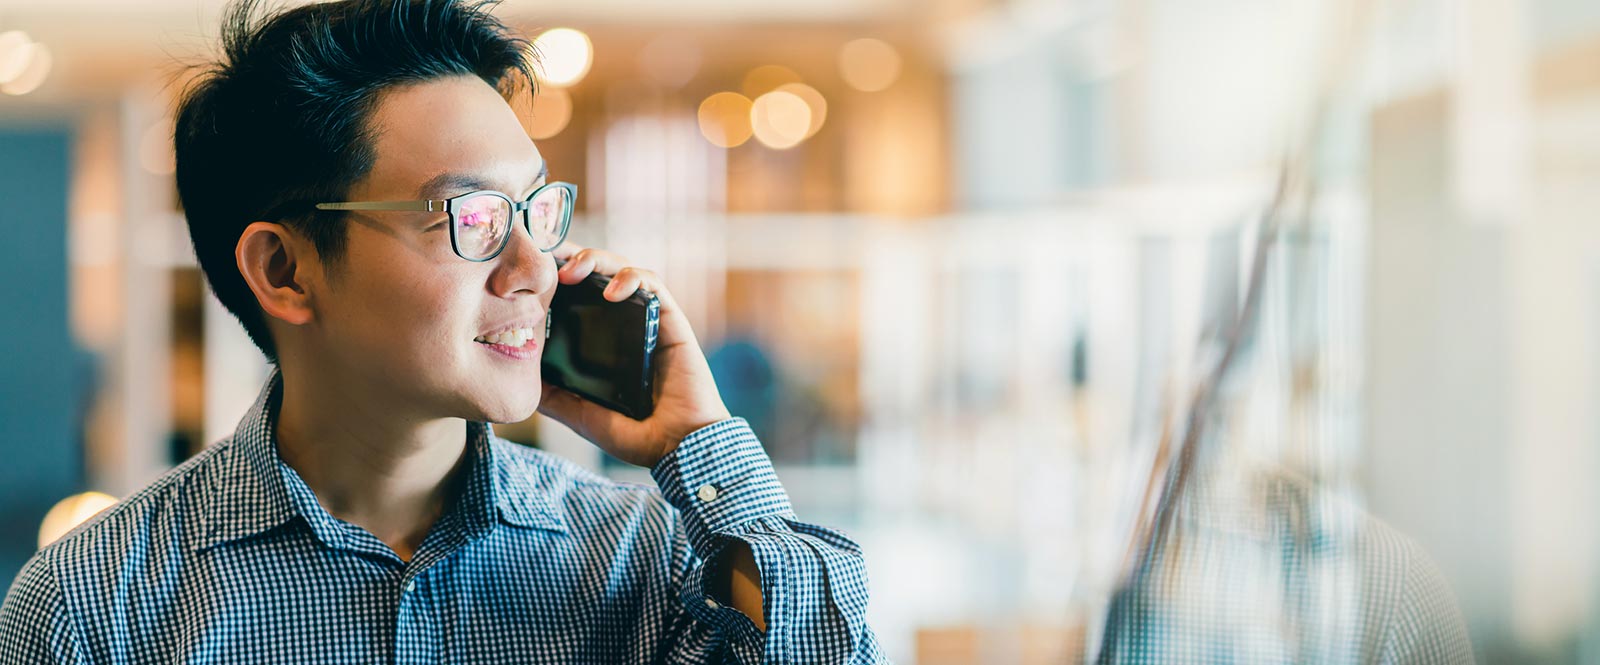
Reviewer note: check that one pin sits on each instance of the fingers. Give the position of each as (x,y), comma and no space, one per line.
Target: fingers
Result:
(625,281)
(586,261)
(578,266)
(674,325)
(630,280)
(566,249)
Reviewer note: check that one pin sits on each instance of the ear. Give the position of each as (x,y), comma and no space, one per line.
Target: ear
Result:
(272,263)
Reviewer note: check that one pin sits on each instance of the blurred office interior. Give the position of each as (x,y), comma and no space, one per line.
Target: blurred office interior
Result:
(963,264)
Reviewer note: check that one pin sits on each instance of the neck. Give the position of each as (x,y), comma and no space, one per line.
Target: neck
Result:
(366,462)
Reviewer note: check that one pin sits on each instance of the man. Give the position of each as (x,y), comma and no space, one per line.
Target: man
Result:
(364,511)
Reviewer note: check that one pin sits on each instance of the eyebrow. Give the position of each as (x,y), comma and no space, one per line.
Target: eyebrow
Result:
(464,181)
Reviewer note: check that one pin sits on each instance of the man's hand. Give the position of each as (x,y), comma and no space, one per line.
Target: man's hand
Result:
(686,398)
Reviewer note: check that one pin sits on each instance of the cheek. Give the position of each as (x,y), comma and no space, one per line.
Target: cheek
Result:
(401,310)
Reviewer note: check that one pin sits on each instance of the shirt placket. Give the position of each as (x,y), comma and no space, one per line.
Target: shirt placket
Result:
(415,641)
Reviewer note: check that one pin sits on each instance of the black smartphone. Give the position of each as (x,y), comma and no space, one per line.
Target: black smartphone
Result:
(602,350)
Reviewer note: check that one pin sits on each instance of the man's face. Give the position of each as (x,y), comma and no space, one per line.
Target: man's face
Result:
(401,313)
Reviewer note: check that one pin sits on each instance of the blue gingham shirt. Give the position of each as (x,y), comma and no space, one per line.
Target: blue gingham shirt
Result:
(230,558)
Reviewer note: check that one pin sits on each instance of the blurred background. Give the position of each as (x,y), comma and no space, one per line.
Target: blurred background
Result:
(962,264)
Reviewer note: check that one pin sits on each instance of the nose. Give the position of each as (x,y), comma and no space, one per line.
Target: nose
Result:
(522,267)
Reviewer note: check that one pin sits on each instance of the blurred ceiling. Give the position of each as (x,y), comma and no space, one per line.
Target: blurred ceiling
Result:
(100,45)
(192,14)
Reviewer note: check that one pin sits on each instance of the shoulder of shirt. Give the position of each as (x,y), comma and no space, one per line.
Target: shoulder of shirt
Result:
(165,508)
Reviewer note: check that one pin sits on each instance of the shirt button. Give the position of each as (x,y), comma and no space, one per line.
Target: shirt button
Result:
(411,586)
(707,493)
(712,604)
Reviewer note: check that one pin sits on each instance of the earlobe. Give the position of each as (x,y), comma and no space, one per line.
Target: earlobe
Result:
(267,258)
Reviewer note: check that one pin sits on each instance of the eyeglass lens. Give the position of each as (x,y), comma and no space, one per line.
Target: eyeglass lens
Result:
(483,221)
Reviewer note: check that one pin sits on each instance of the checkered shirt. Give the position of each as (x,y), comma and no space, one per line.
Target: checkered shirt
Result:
(230,558)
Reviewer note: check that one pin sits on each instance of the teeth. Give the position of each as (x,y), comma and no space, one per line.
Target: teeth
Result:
(515,337)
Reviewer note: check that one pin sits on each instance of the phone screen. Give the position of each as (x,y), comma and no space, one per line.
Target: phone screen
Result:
(601,350)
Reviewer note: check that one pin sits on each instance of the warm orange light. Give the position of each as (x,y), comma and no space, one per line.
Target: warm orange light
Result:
(765,79)
(552,110)
(814,101)
(16,50)
(70,512)
(725,119)
(38,68)
(780,119)
(869,65)
(670,60)
(562,56)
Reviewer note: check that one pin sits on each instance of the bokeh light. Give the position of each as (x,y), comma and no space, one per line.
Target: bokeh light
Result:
(37,69)
(70,512)
(670,60)
(814,101)
(725,119)
(869,65)
(552,110)
(780,119)
(765,79)
(15,53)
(562,56)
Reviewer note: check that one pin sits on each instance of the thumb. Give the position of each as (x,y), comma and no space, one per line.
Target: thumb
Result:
(589,420)
(563,406)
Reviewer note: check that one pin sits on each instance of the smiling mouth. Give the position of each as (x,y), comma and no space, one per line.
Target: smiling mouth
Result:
(512,338)
(517,346)
(523,345)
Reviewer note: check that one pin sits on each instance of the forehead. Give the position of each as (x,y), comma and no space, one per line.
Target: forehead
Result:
(456,124)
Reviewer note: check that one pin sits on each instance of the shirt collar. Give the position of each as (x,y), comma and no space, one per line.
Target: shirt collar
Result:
(252,490)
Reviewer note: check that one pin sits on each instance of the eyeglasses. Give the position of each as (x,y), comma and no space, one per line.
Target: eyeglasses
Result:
(480,221)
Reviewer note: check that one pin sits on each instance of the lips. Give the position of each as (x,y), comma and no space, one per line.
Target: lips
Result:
(528,350)
(513,337)
(515,340)
(513,333)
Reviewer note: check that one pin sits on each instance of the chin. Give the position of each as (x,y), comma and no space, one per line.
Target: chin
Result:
(514,413)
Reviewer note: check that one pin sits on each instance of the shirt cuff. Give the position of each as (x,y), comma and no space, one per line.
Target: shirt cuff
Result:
(720,478)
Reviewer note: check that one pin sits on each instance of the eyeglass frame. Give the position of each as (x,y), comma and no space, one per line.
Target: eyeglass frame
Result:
(449,206)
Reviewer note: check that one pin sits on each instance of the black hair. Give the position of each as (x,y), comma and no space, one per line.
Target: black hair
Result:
(281,120)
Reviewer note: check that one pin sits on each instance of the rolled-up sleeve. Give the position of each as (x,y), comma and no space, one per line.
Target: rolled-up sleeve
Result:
(813,579)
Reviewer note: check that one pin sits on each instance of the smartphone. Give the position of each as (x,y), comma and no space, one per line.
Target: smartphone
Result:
(602,350)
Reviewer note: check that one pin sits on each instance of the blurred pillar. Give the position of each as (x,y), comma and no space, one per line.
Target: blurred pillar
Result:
(1438,374)
(139,368)
(42,375)
(1554,250)
(1489,118)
